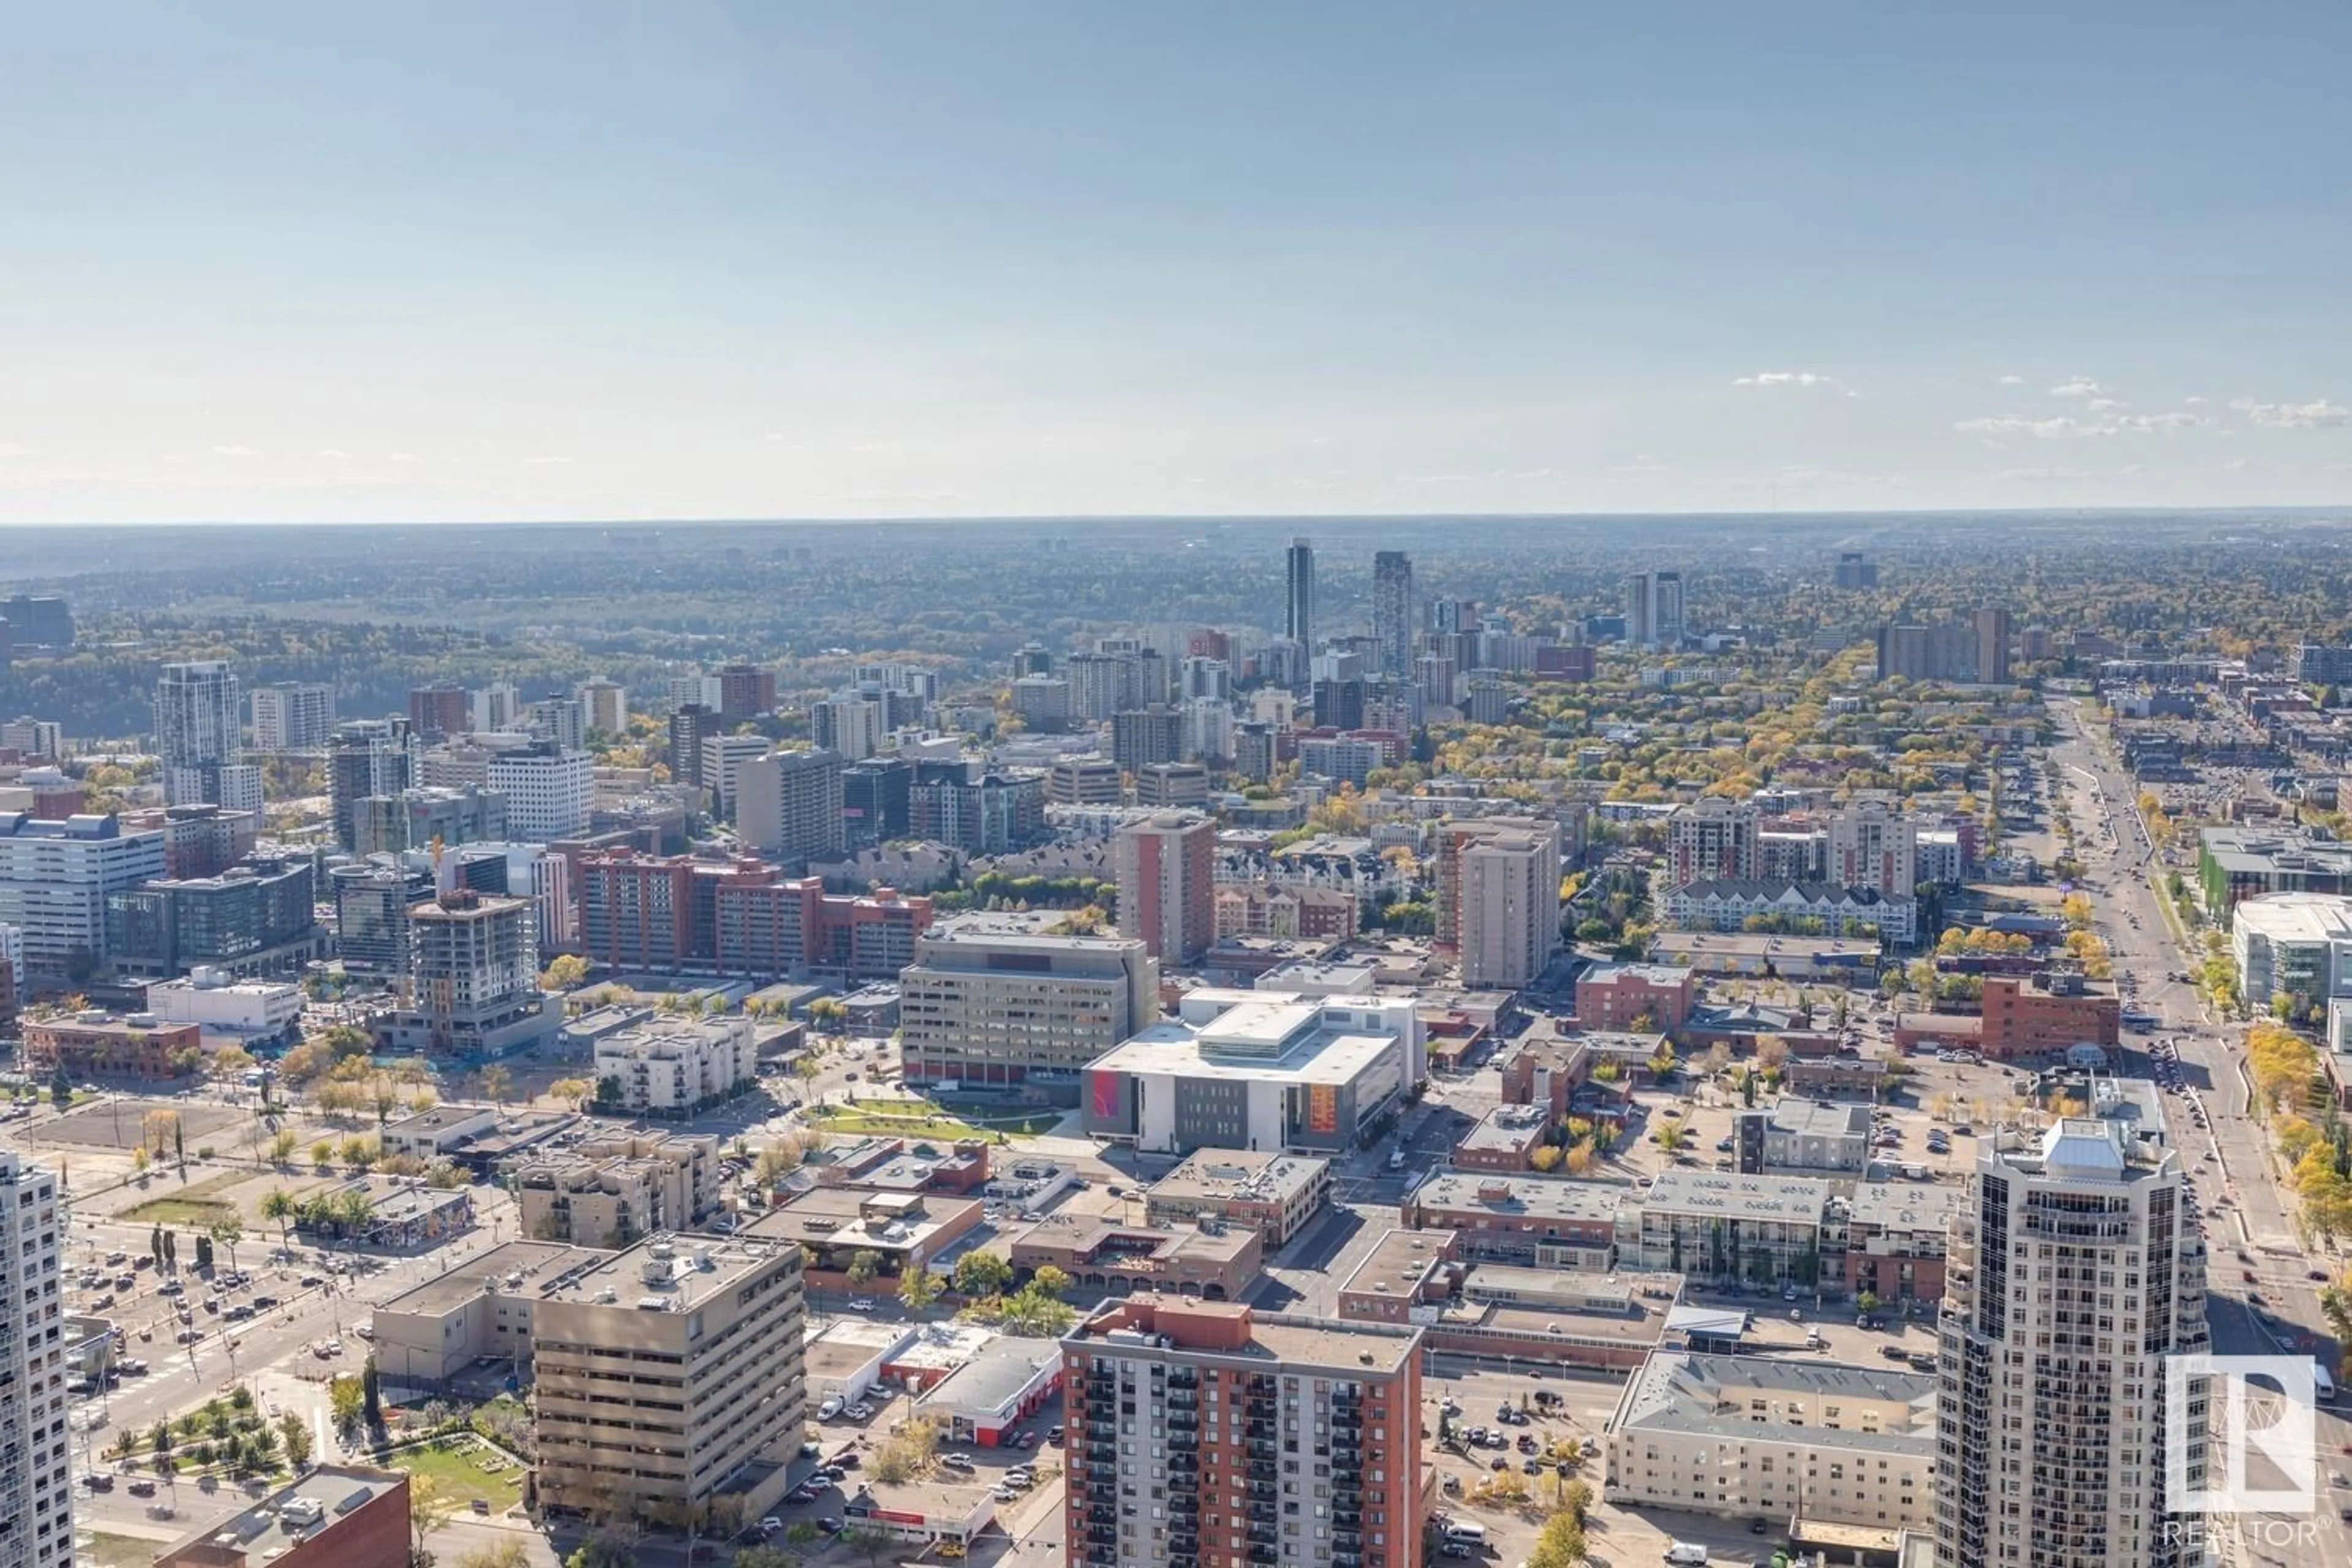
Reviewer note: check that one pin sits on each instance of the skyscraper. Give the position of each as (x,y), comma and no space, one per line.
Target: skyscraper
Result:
(1653,610)
(1498,898)
(199,729)
(1392,621)
(605,704)
(367,757)
(1166,869)
(788,804)
(2074,1271)
(1993,644)
(36,1469)
(1298,598)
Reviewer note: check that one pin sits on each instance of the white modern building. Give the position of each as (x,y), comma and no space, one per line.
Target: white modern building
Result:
(1778,1438)
(1818,908)
(723,757)
(221,1005)
(36,1529)
(55,878)
(1729,1226)
(2297,945)
(672,1065)
(292,716)
(549,791)
(2076,1272)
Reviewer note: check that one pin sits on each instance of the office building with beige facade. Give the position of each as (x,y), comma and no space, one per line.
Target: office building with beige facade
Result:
(988,1001)
(609,1192)
(671,1375)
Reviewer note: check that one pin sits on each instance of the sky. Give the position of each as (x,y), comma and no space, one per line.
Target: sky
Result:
(432,261)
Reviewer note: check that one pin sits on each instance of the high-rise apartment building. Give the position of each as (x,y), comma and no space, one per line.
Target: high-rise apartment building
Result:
(1944,651)
(1498,898)
(983,1004)
(1202,1435)
(474,974)
(1298,595)
(562,719)
(367,757)
(788,805)
(875,796)
(690,724)
(34,737)
(1392,611)
(494,708)
(1872,844)
(666,1371)
(723,757)
(1653,610)
(549,790)
(2075,1269)
(1142,736)
(199,732)
(1855,570)
(36,1527)
(848,724)
(745,691)
(55,880)
(1166,869)
(605,704)
(255,920)
(373,931)
(438,711)
(1992,626)
(292,716)
(1713,839)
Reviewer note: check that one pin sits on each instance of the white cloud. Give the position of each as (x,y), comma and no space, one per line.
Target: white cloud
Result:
(545,462)
(333,454)
(403,456)
(10,449)
(2196,401)
(2068,427)
(2080,387)
(2318,413)
(2012,381)
(1786,378)
(235,452)
(2105,405)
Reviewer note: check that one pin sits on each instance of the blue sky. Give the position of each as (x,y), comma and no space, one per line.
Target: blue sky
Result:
(454,260)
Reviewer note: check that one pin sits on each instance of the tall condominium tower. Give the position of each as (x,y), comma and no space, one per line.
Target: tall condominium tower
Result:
(1393,620)
(1202,1435)
(36,1471)
(199,731)
(367,757)
(1298,595)
(1166,868)
(1992,626)
(292,716)
(1653,610)
(2075,1269)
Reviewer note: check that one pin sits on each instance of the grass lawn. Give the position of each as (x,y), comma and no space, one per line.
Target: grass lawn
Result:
(192,1204)
(928,1118)
(118,1550)
(461,1476)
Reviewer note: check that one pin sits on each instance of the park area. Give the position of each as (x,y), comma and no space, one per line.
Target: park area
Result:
(465,1471)
(912,1117)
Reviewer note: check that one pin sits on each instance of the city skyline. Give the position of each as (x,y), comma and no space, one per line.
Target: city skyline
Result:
(1060,262)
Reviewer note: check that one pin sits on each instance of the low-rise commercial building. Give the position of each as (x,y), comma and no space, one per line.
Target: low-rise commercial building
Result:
(1795,1136)
(1272,1193)
(902,1231)
(1209,1259)
(671,1373)
(2296,945)
(1895,1239)
(1505,1140)
(137,1044)
(2019,1017)
(1778,1438)
(1769,1230)
(250,1012)
(1546,1221)
(336,1516)
(1576,1318)
(1850,959)
(610,1192)
(1634,997)
(479,1311)
(985,1001)
(981,1400)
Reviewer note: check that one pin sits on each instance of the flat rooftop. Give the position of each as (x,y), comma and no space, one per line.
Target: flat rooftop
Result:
(1819,1119)
(1400,1261)
(680,1272)
(515,1266)
(339,1489)
(943,1345)
(852,1344)
(1540,1197)
(1327,1055)
(1906,1205)
(1504,1128)
(1787,1200)
(1230,1173)
(833,1216)
(1688,1391)
(995,1377)
(1299,1340)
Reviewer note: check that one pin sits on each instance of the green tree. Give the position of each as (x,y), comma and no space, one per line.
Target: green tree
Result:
(297,1433)
(1050,1282)
(918,1288)
(603,1550)
(346,1402)
(282,1207)
(863,1265)
(226,1232)
(370,1394)
(979,1274)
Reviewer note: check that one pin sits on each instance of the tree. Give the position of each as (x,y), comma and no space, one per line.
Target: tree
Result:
(370,1394)
(869,1541)
(228,1231)
(505,1554)
(1050,1282)
(765,1557)
(281,1146)
(430,1506)
(863,1265)
(916,1288)
(296,1434)
(979,1274)
(602,1550)
(1546,1157)
(573,1091)
(155,1129)
(498,1083)
(346,1402)
(563,971)
(282,1207)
